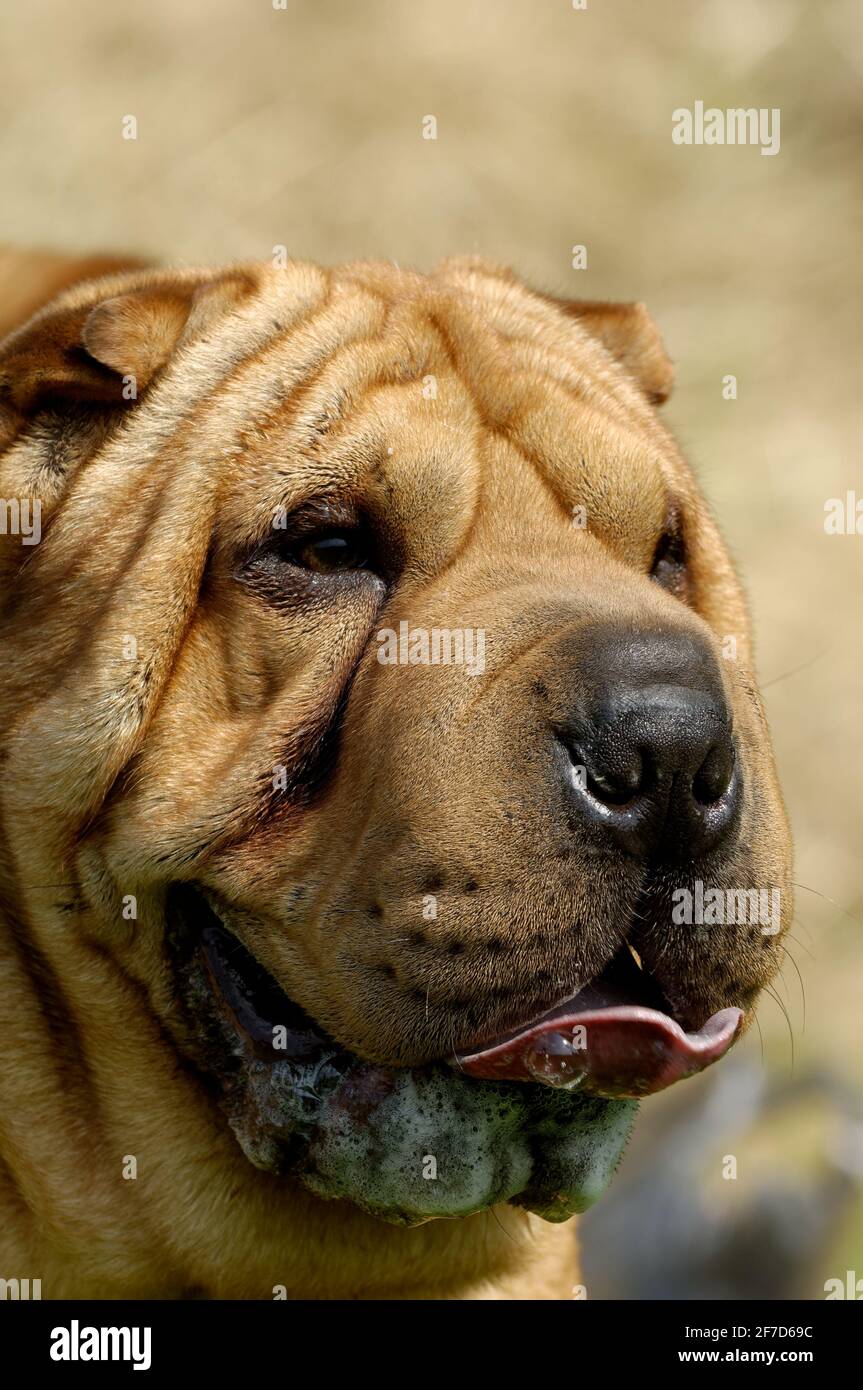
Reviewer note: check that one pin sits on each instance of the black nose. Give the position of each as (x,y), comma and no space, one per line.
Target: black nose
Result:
(652,760)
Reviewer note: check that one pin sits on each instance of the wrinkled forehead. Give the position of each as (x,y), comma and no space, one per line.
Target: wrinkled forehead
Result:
(437,404)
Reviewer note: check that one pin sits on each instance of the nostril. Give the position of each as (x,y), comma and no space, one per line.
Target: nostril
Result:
(613,785)
(713,778)
(613,793)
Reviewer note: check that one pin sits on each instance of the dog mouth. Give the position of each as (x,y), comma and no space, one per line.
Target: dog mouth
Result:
(538,1116)
(614,1037)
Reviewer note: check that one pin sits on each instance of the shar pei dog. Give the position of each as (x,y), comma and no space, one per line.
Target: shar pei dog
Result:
(387,797)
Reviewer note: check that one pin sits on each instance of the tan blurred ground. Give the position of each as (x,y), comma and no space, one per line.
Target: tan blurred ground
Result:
(260,127)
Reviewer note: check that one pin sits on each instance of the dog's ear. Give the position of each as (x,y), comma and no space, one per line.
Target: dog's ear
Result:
(631,336)
(89,347)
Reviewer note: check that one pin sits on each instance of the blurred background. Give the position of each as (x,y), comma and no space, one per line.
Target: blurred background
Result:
(302,126)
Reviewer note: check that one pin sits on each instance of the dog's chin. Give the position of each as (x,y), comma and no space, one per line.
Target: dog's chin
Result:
(532,1117)
(405,1144)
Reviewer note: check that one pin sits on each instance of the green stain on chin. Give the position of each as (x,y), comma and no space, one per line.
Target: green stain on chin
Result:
(573,1169)
(409,1146)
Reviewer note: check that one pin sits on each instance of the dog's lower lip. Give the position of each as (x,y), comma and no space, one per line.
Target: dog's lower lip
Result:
(228,967)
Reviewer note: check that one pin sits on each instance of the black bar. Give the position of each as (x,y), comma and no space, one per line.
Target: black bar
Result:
(256,1339)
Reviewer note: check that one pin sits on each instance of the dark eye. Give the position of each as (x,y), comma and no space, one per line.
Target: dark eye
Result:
(669,560)
(331,551)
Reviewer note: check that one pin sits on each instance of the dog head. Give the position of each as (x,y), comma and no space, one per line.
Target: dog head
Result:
(380,655)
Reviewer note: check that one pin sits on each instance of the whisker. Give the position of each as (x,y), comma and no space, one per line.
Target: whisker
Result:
(845,913)
(802,944)
(507,1233)
(804,665)
(800,978)
(773,995)
(803,926)
(779,979)
(452,1049)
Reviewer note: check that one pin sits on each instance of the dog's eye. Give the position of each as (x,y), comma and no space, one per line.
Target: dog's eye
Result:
(331,551)
(309,554)
(669,562)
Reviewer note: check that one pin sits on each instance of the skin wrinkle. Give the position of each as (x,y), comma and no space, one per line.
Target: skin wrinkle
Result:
(359,838)
(157,500)
(290,408)
(518,657)
(464,543)
(456,362)
(534,463)
(325,897)
(143,528)
(372,381)
(624,392)
(286,408)
(60,1025)
(330,727)
(204,407)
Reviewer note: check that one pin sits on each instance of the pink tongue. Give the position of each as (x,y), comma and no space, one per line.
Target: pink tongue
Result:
(619,1050)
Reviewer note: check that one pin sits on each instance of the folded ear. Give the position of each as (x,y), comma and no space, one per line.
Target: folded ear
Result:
(90,342)
(632,338)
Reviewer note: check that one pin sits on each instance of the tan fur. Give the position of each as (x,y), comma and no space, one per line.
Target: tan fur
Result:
(258,388)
